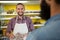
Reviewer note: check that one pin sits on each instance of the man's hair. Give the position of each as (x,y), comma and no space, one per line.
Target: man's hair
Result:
(20,4)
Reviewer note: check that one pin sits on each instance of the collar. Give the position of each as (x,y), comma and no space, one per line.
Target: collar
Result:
(23,18)
(53,18)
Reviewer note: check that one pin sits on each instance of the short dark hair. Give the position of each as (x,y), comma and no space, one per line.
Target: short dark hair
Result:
(45,10)
(57,1)
(20,4)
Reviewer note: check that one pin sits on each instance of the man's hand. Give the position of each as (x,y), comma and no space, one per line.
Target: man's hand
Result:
(25,34)
(11,36)
(20,35)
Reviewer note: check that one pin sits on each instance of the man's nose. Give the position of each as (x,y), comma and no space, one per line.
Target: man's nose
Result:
(20,10)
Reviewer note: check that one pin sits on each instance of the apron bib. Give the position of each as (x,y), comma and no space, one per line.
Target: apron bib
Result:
(20,28)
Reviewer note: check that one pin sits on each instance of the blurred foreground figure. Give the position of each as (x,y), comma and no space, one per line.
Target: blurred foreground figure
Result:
(51,29)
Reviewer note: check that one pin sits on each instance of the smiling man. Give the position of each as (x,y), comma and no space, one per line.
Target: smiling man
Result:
(20,21)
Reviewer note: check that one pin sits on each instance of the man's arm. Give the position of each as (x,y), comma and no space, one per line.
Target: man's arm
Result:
(31,26)
(9,30)
(9,27)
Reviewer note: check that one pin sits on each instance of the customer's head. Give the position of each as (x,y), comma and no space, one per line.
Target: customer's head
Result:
(53,2)
(45,10)
(20,8)
(54,6)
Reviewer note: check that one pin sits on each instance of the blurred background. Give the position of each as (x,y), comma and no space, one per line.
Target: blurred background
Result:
(8,11)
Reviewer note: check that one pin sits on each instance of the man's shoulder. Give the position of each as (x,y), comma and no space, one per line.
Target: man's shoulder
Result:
(12,19)
(28,18)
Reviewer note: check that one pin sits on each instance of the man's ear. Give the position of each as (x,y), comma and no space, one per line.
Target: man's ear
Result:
(48,2)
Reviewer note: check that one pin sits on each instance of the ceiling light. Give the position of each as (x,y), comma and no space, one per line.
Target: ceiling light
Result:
(13,1)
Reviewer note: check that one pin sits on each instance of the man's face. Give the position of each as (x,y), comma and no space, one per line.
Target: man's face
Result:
(20,10)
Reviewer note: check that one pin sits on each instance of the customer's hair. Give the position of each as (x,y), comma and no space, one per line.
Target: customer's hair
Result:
(45,10)
(57,1)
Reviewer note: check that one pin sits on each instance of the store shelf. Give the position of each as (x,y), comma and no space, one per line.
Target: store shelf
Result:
(32,14)
(7,14)
(35,17)
(39,25)
(3,26)
(5,18)
(34,25)
(16,14)
(10,18)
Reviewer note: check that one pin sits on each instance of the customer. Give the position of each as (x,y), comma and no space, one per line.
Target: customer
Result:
(51,30)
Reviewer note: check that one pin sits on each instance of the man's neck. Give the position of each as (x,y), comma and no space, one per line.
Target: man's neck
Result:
(55,11)
(20,17)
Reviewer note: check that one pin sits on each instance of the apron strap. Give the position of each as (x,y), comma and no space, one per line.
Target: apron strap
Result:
(17,18)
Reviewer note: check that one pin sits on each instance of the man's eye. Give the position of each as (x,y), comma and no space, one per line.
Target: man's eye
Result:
(18,8)
(21,8)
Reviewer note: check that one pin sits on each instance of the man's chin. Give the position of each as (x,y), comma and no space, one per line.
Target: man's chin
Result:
(21,14)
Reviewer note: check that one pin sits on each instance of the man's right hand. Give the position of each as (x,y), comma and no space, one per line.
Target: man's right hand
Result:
(11,36)
(20,35)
